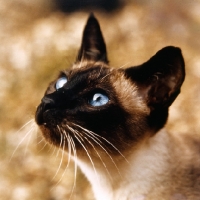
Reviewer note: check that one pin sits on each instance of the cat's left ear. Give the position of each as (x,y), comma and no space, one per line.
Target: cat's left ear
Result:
(93,47)
(160,78)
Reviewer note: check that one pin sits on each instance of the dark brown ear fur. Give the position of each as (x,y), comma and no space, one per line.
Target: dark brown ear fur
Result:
(159,81)
(93,47)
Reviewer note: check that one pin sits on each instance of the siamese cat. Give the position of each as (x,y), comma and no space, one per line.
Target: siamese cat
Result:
(111,123)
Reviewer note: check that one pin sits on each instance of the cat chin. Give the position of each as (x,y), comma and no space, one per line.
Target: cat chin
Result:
(50,136)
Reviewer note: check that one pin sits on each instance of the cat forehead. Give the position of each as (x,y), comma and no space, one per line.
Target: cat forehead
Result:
(89,72)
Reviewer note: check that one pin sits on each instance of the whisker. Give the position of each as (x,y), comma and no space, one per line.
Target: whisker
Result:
(100,71)
(43,147)
(115,149)
(97,154)
(69,147)
(61,161)
(104,77)
(75,165)
(75,135)
(94,139)
(28,142)
(61,138)
(98,136)
(29,132)
(124,65)
(51,146)
(46,143)
(88,131)
(41,141)
(26,124)
(65,167)
(53,149)
(110,144)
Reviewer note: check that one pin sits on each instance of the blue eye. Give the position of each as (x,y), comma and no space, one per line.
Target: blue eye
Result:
(98,99)
(61,82)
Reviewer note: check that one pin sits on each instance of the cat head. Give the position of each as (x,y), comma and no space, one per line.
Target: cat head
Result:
(95,104)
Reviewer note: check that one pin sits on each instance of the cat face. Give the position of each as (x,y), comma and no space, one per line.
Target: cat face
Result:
(115,108)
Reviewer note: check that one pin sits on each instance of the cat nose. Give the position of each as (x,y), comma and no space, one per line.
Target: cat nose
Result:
(47,103)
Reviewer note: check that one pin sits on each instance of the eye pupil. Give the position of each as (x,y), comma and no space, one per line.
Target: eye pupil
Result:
(60,82)
(98,99)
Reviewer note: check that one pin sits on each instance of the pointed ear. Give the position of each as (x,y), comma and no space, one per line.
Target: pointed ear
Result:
(93,47)
(160,78)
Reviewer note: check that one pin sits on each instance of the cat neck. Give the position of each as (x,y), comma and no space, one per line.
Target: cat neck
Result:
(133,179)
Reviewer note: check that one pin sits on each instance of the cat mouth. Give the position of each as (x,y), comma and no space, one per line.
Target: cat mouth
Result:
(48,117)
(42,116)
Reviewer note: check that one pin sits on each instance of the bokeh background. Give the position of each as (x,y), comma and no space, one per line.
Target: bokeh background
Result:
(40,37)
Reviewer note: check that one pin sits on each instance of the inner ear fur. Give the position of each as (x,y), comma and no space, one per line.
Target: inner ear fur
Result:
(159,81)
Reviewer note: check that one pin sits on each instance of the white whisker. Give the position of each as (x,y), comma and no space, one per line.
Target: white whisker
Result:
(53,150)
(87,132)
(29,132)
(123,66)
(61,138)
(75,135)
(41,141)
(98,136)
(69,147)
(51,146)
(100,72)
(105,77)
(28,141)
(61,161)
(75,165)
(27,123)
(110,144)
(97,154)
(43,147)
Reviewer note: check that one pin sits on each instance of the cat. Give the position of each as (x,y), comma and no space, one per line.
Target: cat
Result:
(112,120)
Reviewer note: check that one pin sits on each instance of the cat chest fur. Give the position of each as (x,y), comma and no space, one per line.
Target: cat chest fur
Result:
(150,173)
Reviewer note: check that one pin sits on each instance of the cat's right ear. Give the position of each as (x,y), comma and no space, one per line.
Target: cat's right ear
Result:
(160,78)
(93,47)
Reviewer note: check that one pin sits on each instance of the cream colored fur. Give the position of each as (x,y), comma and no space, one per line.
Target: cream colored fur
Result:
(150,173)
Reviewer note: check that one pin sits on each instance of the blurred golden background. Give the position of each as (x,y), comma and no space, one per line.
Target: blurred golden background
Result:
(40,37)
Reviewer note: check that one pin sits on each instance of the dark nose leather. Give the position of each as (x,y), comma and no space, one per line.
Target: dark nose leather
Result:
(57,100)
(48,103)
